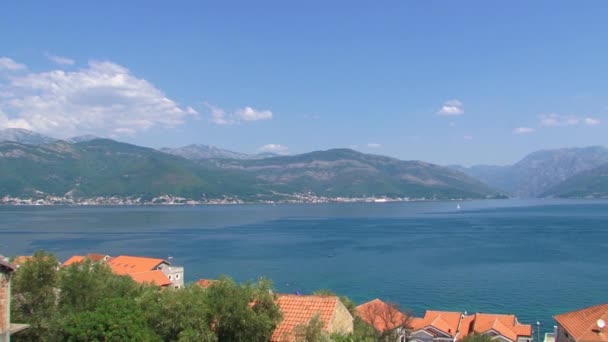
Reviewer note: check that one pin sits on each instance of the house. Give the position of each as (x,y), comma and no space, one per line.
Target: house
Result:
(584,325)
(6,328)
(384,318)
(299,310)
(447,326)
(92,257)
(502,328)
(439,326)
(148,270)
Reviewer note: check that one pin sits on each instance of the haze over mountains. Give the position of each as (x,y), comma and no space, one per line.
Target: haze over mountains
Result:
(87,166)
(540,171)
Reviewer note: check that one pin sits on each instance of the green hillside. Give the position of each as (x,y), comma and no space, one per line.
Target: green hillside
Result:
(592,183)
(106,168)
(345,172)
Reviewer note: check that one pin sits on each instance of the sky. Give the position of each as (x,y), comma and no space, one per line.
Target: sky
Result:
(448,82)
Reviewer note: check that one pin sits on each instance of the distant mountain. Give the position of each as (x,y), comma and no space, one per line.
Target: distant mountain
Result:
(587,184)
(104,167)
(23,136)
(539,171)
(201,152)
(83,138)
(348,173)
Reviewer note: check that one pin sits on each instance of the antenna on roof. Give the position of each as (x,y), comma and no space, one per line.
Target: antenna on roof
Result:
(601,324)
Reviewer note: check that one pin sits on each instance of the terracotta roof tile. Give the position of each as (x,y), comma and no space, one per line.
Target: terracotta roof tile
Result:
(299,310)
(125,264)
(205,283)
(156,277)
(74,259)
(382,316)
(445,321)
(21,259)
(582,324)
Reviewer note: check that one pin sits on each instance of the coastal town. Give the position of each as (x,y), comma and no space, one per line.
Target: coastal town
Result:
(48,200)
(336,319)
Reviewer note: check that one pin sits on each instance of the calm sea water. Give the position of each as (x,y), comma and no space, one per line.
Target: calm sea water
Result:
(531,258)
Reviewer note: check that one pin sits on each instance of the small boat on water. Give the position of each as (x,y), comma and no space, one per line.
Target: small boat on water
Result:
(458,206)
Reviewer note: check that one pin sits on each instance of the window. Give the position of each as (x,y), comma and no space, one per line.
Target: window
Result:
(170,277)
(177,276)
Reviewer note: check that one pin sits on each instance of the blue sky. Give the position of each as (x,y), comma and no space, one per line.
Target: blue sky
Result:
(441,81)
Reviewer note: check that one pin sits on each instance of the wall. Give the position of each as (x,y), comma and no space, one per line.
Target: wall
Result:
(341,321)
(4,306)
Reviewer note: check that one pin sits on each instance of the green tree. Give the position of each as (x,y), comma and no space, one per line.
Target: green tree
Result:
(178,315)
(244,312)
(312,331)
(34,288)
(117,319)
(477,338)
(85,285)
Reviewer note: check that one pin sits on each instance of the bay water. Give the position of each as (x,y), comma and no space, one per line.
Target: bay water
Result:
(532,258)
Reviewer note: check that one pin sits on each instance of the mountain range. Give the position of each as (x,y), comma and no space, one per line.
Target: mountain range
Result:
(84,166)
(103,167)
(539,172)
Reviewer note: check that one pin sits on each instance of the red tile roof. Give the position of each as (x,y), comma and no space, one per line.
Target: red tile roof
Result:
(582,324)
(445,321)
(74,259)
(125,264)
(506,325)
(156,277)
(382,316)
(299,310)
(21,259)
(93,257)
(205,283)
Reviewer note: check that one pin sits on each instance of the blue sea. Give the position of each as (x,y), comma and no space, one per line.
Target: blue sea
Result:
(531,258)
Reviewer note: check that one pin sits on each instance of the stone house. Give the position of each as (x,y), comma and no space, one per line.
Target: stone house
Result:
(6,328)
(584,325)
(300,309)
(148,270)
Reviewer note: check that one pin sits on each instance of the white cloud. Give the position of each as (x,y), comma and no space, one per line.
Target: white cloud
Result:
(103,99)
(274,148)
(250,114)
(10,65)
(468,137)
(555,120)
(591,121)
(220,117)
(451,108)
(374,145)
(523,130)
(558,120)
(59,60)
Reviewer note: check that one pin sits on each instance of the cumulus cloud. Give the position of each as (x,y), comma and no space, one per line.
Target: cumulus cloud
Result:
(274,148)
(451,108)
(59,60)
(250,114)
(374,145)
(220,117)
(591,121)
(523,130)
(103,98)
(10,65)
(555,120)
